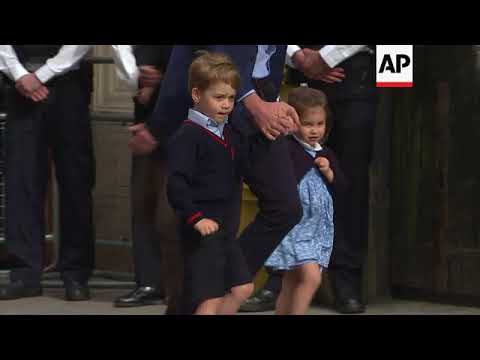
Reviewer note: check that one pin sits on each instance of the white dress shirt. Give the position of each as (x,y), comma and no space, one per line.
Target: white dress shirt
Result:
(126,64)
(67,59)
(332,54)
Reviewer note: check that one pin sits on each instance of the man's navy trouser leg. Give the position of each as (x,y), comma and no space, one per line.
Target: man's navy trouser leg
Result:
(61,124)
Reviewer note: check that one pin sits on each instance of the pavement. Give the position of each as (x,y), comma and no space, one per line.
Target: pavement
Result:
(52,303)
(105,288)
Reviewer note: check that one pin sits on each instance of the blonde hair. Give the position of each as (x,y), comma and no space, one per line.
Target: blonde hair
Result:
(209,68)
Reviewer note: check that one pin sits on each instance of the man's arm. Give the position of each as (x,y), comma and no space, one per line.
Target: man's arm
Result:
(292,51)
(67,57)
(126,64)
(9,63)
(333,55)
(320,65)
(244,57)
(336,54)
(27,84)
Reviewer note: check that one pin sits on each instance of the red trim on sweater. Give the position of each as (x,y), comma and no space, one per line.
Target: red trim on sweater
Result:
(195,216)
(213,136)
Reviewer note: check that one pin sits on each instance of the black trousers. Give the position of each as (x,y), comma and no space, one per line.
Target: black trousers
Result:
(268,171)
(155,239)
(271,178)
(352,141)
(147,187)
(60,124)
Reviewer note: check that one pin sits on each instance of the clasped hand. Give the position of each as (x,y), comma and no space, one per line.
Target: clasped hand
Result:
(30,87)
(314,67)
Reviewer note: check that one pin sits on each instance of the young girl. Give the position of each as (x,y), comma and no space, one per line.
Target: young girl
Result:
(201,181)
(306,250)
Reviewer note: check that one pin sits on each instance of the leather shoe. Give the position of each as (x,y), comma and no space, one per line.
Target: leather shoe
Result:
(140,296)
(75,291)
(349,306)
(17,290)
(264,300)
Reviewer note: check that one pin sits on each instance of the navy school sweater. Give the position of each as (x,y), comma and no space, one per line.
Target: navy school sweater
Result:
(202,172)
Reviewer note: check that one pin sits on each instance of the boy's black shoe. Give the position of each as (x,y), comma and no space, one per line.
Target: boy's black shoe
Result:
(18,290)
(264,300)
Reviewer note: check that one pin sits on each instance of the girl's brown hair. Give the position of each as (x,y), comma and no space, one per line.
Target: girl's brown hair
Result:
(304,98)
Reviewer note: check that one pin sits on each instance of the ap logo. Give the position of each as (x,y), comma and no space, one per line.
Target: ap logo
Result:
(394,65)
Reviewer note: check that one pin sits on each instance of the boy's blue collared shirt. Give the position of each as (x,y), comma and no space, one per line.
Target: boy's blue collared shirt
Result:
(207,123)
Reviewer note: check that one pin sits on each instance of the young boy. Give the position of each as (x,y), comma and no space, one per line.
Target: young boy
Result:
(202,177)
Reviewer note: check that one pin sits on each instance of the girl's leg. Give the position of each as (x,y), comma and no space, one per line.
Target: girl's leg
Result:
(285,298)
(209,307)
(235,298)
(308,280)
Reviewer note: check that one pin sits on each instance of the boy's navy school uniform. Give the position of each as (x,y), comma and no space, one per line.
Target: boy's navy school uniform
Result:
(201,184)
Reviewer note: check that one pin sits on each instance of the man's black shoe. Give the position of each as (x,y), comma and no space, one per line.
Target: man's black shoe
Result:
(18,290)
(75,291)
(349,306)
(264,300)
(141,296)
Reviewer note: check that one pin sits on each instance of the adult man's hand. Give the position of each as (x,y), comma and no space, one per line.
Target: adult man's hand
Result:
(144,95)
(27,84)
(149,76)
(142,141)
(332,76)
(314,65)
(40,94)
(274,119)
(298,59)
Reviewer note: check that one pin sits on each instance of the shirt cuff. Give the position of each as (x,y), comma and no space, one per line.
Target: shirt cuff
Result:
(132,82)
(247,94)
(291,50)
(18,71)
(44,74)
(332,55)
